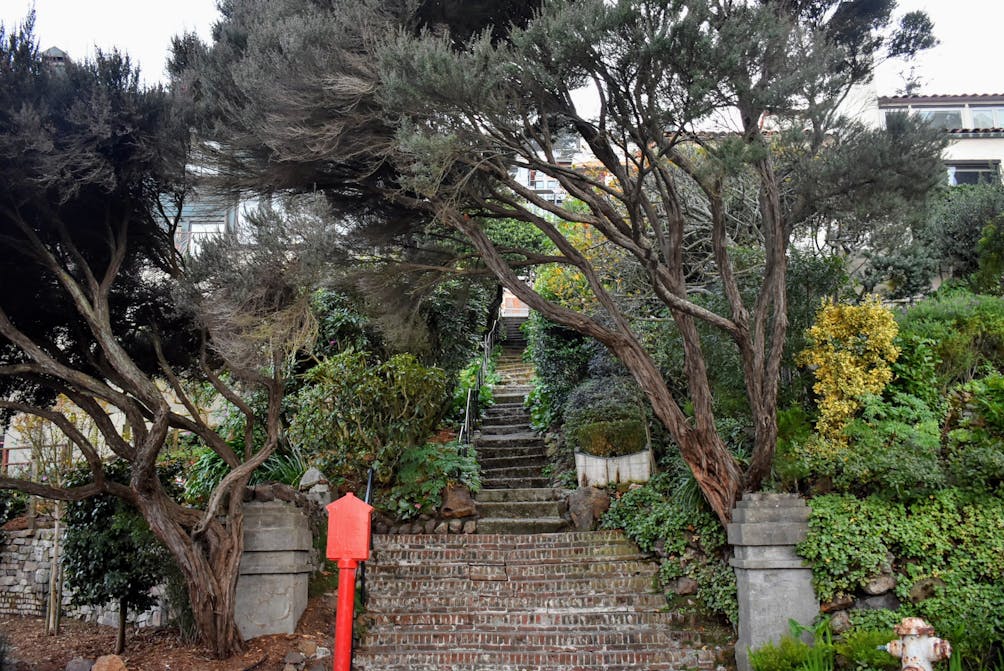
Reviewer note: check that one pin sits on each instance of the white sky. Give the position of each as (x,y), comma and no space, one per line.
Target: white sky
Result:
(967,60)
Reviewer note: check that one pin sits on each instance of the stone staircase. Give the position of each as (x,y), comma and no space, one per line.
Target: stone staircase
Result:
(514,497)
(521,594)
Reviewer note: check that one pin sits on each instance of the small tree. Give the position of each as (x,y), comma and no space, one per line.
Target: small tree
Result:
(110,554)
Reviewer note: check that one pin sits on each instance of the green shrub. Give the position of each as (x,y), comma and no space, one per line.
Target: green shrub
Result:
(12,504)
(684,532)
(789,654)
(952,540)
(352,414)
(606,414)
(560,359)
(893,449)
(966,330)
(974,431)
(614,438)
(859,649)
(422,474)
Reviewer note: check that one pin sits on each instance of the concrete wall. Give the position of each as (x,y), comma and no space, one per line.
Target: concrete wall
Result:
(275,569)
(774,585)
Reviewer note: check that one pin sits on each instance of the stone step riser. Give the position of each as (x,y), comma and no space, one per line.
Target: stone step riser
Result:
(539,525)
(543,494)
(510,472)
(513,483)
(535,458)
(503,429)
(525,454)
(511,440)
(522,509)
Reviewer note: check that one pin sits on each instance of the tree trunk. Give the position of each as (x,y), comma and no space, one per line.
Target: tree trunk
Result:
(209,564)
(55,605)
(120,639)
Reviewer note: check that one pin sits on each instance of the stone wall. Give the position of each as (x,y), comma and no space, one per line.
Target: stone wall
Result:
(25,558)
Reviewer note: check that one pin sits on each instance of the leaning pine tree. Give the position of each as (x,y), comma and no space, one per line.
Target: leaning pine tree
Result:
(710,122)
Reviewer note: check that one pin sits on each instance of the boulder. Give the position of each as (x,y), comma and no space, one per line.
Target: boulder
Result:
(457,502)
(683,586)
(586,506)
(840,622)
(109,663)
(312,477)
(880,584)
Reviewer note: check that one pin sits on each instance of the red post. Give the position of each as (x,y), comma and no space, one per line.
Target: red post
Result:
(343,619)
(349,544)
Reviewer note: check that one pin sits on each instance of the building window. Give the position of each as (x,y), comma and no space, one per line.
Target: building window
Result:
(988,117)
(942,118)
(973,172)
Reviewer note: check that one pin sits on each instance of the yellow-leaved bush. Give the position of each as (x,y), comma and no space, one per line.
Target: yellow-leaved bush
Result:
(850,353)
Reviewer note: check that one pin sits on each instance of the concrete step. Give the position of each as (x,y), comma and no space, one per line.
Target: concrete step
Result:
(535,457)
(518,426)
(520,451)
(537,525)
(528,494)
(520,509)
(511,473)
(509,440)
(513,483)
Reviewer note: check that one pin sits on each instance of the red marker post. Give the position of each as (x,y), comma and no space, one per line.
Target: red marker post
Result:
(348,544)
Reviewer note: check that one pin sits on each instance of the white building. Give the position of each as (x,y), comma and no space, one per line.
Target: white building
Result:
(975,125)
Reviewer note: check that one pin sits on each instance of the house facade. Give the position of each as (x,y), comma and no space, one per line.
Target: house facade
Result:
(974,124)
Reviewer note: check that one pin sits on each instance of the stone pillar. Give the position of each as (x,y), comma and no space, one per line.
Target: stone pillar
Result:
(774,584)
(275,569)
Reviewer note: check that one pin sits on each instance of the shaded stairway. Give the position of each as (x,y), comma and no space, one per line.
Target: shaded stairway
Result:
(514,497)
(511,598)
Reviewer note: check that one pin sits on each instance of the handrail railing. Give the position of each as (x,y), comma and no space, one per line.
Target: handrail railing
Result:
(472,409)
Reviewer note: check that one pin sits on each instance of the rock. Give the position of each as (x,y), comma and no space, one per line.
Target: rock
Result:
(925,589)
(79,664)
(430,526)
(264,493)
(284,493)
(322,653)
(840,622)
(109,663)
(307,646)
(441,528)
(880,584)
(295,657)
(457,502)
(289,667)
(318,665)
(456,526)
(470,526)
(684,586)
(842,602)
(312,477)
(586,505)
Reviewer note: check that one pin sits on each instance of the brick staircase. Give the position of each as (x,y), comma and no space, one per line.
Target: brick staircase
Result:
(517,596)
(574,601)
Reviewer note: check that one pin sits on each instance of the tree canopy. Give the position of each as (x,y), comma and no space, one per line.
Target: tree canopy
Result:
(717,125)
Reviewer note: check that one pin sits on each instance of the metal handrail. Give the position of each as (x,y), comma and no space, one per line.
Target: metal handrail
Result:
(471,408)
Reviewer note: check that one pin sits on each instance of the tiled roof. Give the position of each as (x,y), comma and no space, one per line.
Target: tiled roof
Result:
(935,99)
